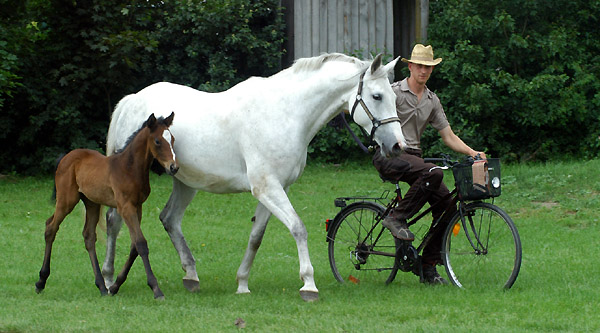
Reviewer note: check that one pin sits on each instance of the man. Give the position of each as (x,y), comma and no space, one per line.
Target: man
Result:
(417,106)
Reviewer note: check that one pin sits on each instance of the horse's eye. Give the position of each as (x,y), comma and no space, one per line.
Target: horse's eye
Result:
(377,97)
(157,142)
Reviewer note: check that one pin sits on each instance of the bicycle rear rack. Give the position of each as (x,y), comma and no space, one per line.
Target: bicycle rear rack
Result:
(342,202)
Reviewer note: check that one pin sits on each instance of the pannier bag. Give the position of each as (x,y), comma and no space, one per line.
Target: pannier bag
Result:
(477,180)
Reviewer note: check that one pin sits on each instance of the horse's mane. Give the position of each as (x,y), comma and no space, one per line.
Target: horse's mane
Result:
(155,166)
(314,63)
(132,136)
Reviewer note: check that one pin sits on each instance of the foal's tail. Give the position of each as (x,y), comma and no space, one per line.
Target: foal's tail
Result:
(53,198)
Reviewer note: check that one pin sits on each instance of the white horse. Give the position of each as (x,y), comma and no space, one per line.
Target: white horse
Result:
(254,137)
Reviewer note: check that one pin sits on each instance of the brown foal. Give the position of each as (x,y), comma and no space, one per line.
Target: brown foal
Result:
(120,181)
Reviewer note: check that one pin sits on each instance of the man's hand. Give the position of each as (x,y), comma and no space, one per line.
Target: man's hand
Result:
(479,155)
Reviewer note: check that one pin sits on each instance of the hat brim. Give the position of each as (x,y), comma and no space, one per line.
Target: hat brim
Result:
(423,62)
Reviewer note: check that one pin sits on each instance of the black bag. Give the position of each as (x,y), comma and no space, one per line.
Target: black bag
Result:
(477,180)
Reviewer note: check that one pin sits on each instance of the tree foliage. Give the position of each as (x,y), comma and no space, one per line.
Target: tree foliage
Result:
(66,63)
(519,78)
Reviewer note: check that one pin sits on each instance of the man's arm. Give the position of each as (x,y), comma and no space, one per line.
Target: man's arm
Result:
(455,143)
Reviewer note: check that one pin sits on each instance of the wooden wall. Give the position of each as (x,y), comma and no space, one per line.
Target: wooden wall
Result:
(342,26)
(318,26)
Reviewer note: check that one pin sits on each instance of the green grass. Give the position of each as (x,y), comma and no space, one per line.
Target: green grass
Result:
(555,207)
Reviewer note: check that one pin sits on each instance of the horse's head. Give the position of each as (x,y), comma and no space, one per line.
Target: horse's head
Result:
(161,142)
(374,108)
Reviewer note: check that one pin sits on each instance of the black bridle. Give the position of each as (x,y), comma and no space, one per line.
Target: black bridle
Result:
(376,123)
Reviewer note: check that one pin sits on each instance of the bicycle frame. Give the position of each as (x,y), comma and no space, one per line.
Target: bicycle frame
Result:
(472,228)
(470,231)
(414,220)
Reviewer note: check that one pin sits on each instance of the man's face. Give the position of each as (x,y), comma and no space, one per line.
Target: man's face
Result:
(420,73)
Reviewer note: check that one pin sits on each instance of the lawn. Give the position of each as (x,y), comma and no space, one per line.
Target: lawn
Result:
(555,207)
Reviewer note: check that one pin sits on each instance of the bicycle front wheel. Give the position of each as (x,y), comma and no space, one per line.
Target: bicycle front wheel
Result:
(360,248)
(485,250)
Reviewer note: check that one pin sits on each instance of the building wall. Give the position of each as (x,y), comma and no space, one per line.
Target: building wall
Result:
(347,26)
(342,26)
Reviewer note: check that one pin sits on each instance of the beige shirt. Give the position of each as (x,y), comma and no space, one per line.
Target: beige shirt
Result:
(415,115)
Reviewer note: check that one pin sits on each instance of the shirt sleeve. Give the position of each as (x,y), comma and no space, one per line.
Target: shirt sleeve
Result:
(399,95)
(438,118)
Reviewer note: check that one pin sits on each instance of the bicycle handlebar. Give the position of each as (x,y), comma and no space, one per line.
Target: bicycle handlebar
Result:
(448,161)
(435,160)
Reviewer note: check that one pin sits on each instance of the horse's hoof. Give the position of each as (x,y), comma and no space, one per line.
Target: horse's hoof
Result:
(191,285)
(103,292)
(39,286)
(113,291)
(159,298)
(309,296)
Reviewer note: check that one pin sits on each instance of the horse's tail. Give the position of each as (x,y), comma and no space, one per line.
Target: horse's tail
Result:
(53,198)
(102,220)
(113,129)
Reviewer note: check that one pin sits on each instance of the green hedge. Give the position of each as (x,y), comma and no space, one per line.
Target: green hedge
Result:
(65,64)
(520,79)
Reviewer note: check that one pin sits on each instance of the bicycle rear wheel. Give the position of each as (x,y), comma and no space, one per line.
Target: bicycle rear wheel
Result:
(485,251)
(360,248)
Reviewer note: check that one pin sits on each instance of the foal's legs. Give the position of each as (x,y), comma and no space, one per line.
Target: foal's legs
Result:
(139,246)
(65,202)
(114,222)
(261,217)
(171,217)
(92,214)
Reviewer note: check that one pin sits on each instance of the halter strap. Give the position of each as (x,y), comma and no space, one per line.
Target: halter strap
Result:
(376,123)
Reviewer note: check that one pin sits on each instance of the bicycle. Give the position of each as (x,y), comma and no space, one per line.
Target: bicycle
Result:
(481,245)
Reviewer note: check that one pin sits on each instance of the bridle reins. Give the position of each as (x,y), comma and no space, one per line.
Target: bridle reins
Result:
(376,123)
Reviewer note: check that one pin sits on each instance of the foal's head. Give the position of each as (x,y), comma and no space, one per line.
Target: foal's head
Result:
(161,142)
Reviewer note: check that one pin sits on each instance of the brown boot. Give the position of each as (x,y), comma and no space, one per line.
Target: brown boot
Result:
(399,229)
(431,276)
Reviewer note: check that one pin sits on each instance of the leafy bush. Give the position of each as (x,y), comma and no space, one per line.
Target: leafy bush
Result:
(520,79)
(65,64)
(212,45)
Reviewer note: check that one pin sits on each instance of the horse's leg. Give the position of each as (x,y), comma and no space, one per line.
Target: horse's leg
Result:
(132,217)
(92,214)
(261,217)
(113,226)
(171,217)
(49,235)
(114,288)
(64,205)
(275,199)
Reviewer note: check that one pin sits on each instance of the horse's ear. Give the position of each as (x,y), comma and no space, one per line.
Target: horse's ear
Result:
(376,63)
(151,122)
(390,66)
(169,119)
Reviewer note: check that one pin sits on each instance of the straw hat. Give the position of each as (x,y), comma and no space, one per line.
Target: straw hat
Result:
(422,55)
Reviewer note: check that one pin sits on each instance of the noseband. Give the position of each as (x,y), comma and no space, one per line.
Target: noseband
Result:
(376,123)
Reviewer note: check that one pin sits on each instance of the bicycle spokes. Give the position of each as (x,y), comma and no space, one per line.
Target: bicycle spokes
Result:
(360,249)
(486,250)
